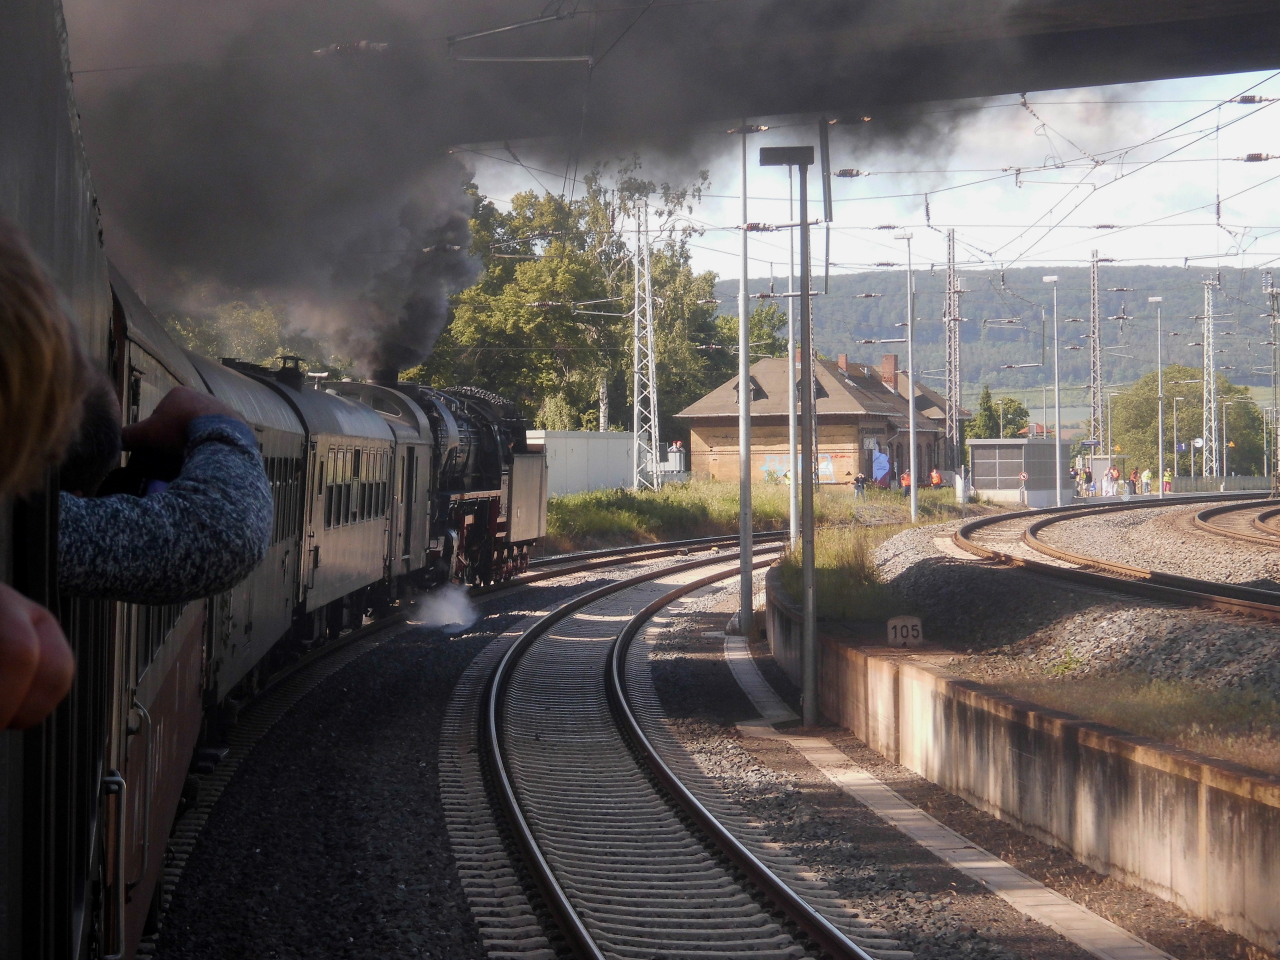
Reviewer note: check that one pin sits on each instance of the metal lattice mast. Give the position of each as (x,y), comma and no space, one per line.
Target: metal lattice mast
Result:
(951,322)
(644,376)
(1095,355)
(1210,453)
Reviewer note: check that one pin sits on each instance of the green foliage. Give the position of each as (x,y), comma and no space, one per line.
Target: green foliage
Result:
(706,508)
(1135,424)
(518,332)
(766,328)
(847,582)
(985,425)
(256,332)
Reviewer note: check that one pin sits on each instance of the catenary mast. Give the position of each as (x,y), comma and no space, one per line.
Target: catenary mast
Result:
(644,374)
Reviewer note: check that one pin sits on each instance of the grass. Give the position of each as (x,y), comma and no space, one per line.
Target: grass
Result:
(847,582)
(705,508)
(1241,726)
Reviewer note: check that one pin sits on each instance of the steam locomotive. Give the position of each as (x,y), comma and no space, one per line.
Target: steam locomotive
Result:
(378,488)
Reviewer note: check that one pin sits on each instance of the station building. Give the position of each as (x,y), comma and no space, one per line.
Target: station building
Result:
(861,409)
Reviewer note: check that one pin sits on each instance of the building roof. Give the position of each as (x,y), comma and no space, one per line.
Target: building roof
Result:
(857,391)
(929,402)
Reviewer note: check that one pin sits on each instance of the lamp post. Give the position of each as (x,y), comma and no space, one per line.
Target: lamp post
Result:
(1159,392)
(1057,402)
(802,157)
(1176,401)
(911,380)
(793,455)
(746,618)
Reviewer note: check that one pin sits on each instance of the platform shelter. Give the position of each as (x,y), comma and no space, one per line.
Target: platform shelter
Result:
(997,468)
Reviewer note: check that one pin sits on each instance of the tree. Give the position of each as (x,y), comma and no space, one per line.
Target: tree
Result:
(549,319)
(247,330)
(986,425)
(1135,423)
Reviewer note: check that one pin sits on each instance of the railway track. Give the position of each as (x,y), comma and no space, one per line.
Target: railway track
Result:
(1256,522)
(1015,541)
(632,855)
(285,687)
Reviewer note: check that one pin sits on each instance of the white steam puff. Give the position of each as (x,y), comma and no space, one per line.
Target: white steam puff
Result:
(447,608)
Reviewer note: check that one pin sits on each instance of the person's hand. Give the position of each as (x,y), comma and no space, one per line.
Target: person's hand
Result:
(165,431)
(36,663)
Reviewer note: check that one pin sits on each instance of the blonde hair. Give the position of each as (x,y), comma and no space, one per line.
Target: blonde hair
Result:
(42,371)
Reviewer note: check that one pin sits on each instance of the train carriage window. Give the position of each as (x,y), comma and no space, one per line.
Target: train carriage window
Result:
(362,489)
(346,485)
(328,488)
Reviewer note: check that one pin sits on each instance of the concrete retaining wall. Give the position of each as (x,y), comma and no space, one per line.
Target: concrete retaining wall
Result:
(1202,833)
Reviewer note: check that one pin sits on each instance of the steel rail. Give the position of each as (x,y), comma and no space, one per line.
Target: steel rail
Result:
(1261,521)
(557,900)
(1268,537)
(761,536)
(1123,578)
(823,933)
(816,926)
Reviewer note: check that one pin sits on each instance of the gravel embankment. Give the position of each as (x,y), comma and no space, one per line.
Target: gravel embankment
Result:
(1165,539)
(330,841)
(1038,626)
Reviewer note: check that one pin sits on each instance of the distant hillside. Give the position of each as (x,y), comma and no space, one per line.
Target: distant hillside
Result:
(840,320)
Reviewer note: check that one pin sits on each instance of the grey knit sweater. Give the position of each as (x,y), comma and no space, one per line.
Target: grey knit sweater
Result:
(201,535)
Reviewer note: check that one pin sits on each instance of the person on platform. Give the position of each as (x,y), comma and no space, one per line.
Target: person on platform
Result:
(1146,480)
(1167,482)
(935,479)
(906,483)
(1133,481)
(860,486)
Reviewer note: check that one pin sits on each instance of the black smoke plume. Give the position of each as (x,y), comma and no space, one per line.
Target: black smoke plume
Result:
(299,147)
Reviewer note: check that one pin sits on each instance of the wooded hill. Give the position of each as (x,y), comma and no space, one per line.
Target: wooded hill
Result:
(841,320)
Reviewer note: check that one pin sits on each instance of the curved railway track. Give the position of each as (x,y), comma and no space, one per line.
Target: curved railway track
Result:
(283,689)
(1254,522)
(633,855)
(1015,541)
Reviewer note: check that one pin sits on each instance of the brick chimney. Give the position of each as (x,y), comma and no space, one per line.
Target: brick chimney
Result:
(889,371)
(842,360)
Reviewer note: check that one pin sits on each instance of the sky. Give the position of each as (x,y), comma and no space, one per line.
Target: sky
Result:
(1135,171)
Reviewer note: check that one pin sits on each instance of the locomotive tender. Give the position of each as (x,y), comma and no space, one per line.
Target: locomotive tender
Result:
(378,489)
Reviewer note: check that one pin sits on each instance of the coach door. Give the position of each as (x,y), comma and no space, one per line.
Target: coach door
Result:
(409,489)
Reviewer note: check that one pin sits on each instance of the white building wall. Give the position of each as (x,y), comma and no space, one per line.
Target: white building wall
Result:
(579,460)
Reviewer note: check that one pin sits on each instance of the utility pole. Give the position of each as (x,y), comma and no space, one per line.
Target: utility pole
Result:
(793,462)
(1209,457)
(746,615)
(644,374)
(1095,353)
(802,157)
(1273,298)
(911,375)
(951,323)
(1057,402)
(1159,392)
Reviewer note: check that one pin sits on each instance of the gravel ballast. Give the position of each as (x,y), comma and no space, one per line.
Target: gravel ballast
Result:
(330,841)
(1041,627)
(1166,539)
